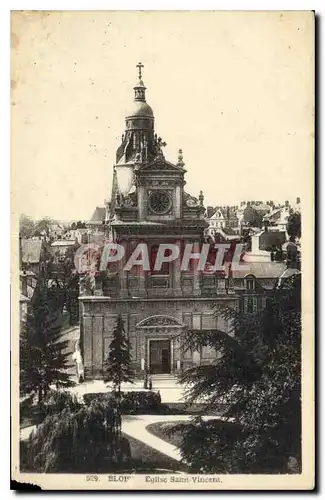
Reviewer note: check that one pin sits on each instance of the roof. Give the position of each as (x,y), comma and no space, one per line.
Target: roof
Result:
(99,215)
(229,231)
(31,250)
(140,108)
(289,272)
(272,213)
(262,207)
(63,243)
(261,270)
(224,213)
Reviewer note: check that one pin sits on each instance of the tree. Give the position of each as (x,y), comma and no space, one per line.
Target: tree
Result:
(294,225)
(117,367)
(79,438)
(44,355)
(26,226)
(44,225)
(256,382)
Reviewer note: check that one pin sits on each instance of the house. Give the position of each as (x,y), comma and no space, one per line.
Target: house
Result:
(76,234)
(277,219)
(61,249)
(33,252)
(221,218)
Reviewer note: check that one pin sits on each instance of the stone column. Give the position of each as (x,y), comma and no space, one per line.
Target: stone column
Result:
(144,357)
(123,274)
(172,354)
(141,202)
(177,271)
(196,326)
(197,274)
(88,346)
(178,202)
(141,273)
(176,355)
(97,346)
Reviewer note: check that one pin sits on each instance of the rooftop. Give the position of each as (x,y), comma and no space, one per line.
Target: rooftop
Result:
(98,215)
(31,250)
(63,243)
(261,270)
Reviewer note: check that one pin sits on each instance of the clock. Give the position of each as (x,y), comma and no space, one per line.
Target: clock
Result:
(160,202)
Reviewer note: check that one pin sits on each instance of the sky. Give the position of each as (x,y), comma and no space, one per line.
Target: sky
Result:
(234,90)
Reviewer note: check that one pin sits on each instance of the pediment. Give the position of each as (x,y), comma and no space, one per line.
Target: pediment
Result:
(160,164)
(159,320)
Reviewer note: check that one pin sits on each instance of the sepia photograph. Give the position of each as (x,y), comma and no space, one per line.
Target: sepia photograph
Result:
(162,200)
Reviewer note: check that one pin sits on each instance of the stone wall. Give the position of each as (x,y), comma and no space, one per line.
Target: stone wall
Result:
(145,320)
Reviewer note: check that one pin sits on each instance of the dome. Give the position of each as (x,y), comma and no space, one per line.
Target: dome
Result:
(140,109)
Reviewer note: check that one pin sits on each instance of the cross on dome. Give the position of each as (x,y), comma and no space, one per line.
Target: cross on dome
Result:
(140,66)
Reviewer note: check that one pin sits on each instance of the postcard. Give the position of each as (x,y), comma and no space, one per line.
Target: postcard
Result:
(162,273)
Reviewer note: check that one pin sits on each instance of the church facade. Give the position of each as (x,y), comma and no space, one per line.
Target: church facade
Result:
(149,204)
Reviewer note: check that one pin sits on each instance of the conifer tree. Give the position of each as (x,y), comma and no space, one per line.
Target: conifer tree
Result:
(117,366)
(257,382)
(44,355)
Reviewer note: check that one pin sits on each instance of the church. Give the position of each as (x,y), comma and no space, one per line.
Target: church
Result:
(149,204)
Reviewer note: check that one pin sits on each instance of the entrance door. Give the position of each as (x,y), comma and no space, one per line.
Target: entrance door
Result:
(159,356)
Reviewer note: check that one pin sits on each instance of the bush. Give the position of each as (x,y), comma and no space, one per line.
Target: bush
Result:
(205,445)
(57,400)
(132,403)
(81,439)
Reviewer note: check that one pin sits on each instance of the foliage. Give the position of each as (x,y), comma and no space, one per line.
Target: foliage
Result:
(294,225)
(214,437)
(44,225)
(258,378)
(117,367)
(135,402)
(80,439)
(252,217)
(26,226)
(80,225)
(57,400)
(29,227)
(67,282)
(43,352)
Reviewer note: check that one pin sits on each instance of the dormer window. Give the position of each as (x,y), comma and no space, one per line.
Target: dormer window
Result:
(250,283)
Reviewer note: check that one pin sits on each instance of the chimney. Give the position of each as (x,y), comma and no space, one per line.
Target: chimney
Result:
(210,211)
(23,283)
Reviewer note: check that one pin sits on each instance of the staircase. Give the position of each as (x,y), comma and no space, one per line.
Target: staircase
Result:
(164,381)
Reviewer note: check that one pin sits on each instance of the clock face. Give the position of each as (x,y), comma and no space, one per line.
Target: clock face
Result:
(160,202)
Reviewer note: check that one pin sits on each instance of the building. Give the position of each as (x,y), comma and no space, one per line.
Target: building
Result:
(61,249)
(149,204)
(223,217)
(98,218)
(33,255)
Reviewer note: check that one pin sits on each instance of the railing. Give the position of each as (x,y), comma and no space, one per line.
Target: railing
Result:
(162,285)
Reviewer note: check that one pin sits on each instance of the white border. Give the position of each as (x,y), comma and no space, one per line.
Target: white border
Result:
(5,7)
